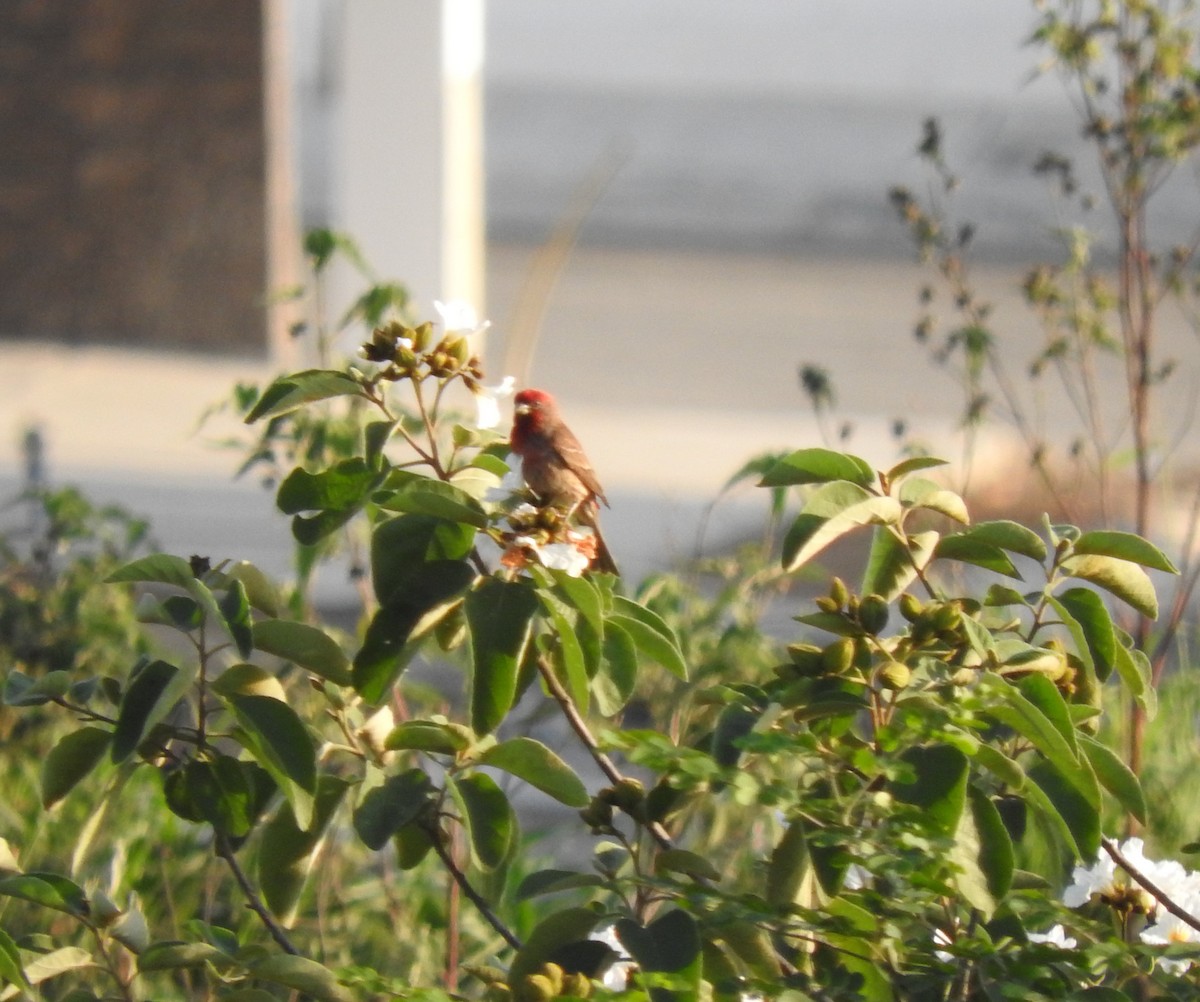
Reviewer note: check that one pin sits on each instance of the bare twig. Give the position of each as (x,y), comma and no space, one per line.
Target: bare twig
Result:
(584,733)
(1146,883)
(468,888)
(225,851)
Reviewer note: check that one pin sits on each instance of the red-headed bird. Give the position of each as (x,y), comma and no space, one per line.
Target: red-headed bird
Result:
(555,467)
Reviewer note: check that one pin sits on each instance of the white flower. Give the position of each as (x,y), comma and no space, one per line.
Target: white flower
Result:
(460,317)
(1170,929)
(510,483)
(1057,936)
(1105,878)
(857,877)
(375,730)
(487,402)
(616,978)
(942,938)
(564,557)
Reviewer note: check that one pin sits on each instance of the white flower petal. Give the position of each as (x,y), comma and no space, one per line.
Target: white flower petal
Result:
(564,557)
(459,316)
(1057,936)
(487,402)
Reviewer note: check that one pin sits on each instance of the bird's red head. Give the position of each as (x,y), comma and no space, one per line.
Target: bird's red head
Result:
(532,411)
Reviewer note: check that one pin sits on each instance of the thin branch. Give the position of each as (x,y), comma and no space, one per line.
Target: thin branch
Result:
(1155,891)
(468,889)
(584,733)
(225,851)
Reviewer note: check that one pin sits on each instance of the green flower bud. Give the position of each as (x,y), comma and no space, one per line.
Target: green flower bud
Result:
(577,985)
(838,656)
(873,614)
(839,592)
(910,607)
(536,988)
(894,675)
(420,336)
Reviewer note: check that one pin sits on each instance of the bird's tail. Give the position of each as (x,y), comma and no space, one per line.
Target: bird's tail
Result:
(589,514)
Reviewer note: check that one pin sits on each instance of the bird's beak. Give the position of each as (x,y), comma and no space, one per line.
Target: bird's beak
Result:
(523,409)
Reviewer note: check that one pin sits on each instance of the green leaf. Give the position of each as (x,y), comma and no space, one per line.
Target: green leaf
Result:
(921,493)
(224,792)
(814,528)
(279,741)
(289,393)
(334,496)
(650,634)
(45,966)
(999,765)
(683,861)
(10,963)
(554,932)
(1087,617)
(940,785)
(1045,695)
(551,881)
(563,644)
(818,466)
(429,736)
(414,607)
(401,544)
(1010,536)
(491,823)
(893,564)
(50,890)
(69,761)
(994,853)
(1134,668)
(912,465)
(344,485)
(154,690)
(1124,546)
(1127,581)
(425,496)
(500,616)
(305,646)
(1116,777)
(303,975)
(538,766)
(1078,812)
(261,591)
(235,609)
(670,943)
(387,808)
(964,549)
(617,675)
(172,956)
(286,856)
(1009,706)
(158,568)
(788,869)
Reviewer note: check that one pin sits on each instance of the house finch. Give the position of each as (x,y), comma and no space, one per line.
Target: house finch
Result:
(555,467)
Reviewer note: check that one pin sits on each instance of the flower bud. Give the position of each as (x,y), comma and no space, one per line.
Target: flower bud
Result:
(894,675)
(838,656)
(577,985)
(536,988)
(873,614)
(420,336)
(910,607)
(839,592)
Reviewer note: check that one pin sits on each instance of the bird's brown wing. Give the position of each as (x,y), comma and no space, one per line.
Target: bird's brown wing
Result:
(572,455)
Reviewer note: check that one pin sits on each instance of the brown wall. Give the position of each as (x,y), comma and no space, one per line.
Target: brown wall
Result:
(132,172)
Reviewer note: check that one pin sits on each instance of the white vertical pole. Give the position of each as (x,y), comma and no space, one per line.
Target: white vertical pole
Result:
(409,167)
(283,238)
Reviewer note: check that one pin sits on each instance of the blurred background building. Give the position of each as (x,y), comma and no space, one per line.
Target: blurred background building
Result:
(722,169)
